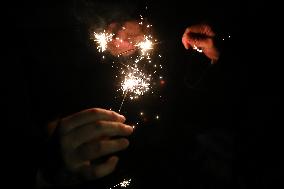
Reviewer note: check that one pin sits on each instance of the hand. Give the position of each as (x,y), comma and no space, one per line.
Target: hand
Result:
(126,36)
(201,36)
(87,136)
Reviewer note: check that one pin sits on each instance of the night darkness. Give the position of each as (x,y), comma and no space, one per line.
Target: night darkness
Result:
(218,132)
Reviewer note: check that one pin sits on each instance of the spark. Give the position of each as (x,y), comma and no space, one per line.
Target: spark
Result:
(125,183)
(133,79)
(122,184)
(197,49)
(102,40)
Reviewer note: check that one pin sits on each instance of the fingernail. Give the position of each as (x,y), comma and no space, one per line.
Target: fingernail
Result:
(129,128)
(123,117)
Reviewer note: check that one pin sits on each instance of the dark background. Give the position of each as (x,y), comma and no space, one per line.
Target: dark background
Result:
(53,69)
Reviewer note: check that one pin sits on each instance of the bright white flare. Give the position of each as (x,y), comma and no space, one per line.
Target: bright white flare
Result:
(145,45)
(122,184)
(197,49)
(102,40)
(135,83)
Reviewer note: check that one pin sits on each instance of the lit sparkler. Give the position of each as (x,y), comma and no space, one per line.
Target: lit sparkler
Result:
(134,84)
(123,184)
(102,40)
(145,45)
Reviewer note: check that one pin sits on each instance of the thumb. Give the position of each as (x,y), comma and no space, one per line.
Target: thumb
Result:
(202,43)
(185,43)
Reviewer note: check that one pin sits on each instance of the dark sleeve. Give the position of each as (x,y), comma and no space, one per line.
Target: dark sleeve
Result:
(214,159)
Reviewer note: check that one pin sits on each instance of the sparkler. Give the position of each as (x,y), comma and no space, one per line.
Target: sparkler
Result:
(102,40)
(122,184)
(135,83)
(144,46)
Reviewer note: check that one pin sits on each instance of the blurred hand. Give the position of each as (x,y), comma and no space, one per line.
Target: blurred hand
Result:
(87,136)
(201,36)
(126,36)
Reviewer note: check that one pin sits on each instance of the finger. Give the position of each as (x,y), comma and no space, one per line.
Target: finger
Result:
(200,29)
(97,149)
(201,43)
(98,171)
(95,131)
(89,116)
(185,42)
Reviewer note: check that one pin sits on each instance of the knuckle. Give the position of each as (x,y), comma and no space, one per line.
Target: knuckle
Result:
(118,126)
(99,124)
(113,114)
(123,143)
(94,110)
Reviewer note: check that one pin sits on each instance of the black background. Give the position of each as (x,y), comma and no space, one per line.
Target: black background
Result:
(53,69)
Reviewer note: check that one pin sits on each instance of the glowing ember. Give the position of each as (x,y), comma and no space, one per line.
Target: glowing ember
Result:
(197,49)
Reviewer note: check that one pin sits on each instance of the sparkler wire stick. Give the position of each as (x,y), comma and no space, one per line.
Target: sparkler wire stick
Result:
(122,101)
(133,49)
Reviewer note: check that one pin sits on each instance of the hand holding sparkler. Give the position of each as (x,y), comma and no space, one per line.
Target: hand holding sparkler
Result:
(82,139)
(201,38)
